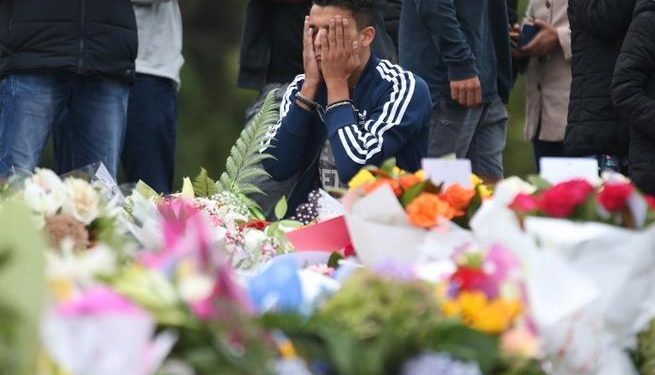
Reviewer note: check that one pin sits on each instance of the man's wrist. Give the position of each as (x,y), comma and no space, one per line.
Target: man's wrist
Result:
(309,90)
(337,91)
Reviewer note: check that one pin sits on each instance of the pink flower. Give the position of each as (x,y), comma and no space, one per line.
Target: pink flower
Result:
(98,301)
(614,197)
(562,199)
(524,203)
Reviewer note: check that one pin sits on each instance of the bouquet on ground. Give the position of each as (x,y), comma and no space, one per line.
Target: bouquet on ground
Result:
(472,321)
(405,217)
(75,214)
(616,201)
(586,235)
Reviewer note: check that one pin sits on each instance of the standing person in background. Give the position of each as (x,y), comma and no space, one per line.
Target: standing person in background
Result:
(271,46)
(548,77)
(392,11)
(67,55)
(149,148)
(634,93)
(594,127)
(463,52)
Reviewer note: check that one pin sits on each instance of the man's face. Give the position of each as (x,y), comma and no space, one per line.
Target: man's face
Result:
(319,21)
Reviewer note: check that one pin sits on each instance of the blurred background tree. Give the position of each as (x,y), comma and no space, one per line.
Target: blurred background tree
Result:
(212,107)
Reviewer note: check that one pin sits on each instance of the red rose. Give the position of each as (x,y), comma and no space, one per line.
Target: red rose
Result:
(651,201)
(468,278)
(524,203)
(255,224)
(562,199)
(614,197)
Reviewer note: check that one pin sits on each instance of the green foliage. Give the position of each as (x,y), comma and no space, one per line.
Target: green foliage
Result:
(145,190)
(203,185)
(281,208)
(21,250)
(244,163)
(373,325)
(645,353)
(217,346)
(410,194)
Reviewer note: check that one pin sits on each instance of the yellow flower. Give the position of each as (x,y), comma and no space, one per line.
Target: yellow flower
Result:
(362,177)
(420,174)
(485,191)
(477,312)
(62,289)
(472,302)
(496,317)
(451,308)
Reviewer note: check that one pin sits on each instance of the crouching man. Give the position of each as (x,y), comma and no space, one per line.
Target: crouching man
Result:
(349,108)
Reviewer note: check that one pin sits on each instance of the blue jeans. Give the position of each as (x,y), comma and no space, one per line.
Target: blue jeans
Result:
(149,148)
(476,133)
(31,105)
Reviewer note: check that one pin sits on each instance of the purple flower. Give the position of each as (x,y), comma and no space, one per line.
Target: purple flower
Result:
(431,363)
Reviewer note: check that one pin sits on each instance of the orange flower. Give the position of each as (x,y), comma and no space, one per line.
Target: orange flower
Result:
(458,197)
(408,180)
(395,186)
(426,210)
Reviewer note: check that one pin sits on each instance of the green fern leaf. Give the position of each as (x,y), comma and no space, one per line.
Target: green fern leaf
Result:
(245,158)
(203,185)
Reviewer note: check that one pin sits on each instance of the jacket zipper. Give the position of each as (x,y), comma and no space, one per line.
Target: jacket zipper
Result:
(80,61)
(304,173)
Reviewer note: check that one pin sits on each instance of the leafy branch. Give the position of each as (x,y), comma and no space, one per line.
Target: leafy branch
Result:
(244,163)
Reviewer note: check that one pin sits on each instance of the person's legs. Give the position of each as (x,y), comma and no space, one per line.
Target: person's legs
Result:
(149,147)
(544,149)
(97,117)
(452,128)
(29,107)
(486,151)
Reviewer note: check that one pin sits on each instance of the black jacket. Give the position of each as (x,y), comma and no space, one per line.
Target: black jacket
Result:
(87,37)
(597,31)
(634,93)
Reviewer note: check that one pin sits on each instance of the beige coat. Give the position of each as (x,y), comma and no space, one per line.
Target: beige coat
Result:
(549,77)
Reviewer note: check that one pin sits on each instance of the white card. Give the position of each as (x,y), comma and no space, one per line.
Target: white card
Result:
(448,171)
(556,170)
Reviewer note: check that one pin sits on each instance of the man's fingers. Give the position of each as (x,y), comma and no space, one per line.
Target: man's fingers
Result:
(338,25)
(454,92)
(332,35)
(478,96)
(309,39)
(324,43)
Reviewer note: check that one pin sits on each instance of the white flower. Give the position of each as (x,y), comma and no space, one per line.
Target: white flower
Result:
(253,240)
(508,189)
(44,192)
(195,287)
(80,268)
(83,201)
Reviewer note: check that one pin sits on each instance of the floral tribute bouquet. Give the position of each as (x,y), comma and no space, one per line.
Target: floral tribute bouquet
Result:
(73,213)
(387,208)
(473,321)
(593,238)
(615,201)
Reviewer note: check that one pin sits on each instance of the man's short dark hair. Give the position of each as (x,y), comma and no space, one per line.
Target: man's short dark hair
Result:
(363,11)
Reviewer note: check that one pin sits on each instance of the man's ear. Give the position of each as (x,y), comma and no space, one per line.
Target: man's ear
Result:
(368,35)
